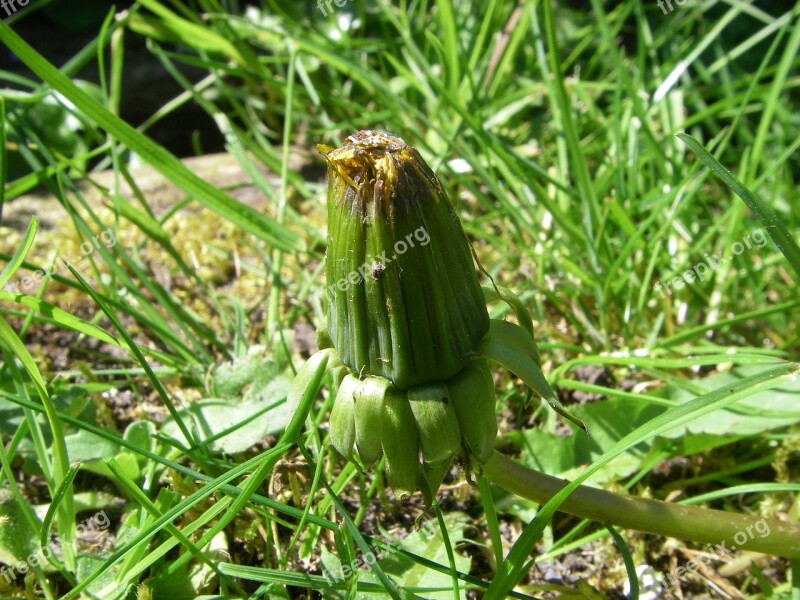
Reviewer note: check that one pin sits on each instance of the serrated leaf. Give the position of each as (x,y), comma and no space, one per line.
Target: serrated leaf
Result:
(230,378)
(231,424)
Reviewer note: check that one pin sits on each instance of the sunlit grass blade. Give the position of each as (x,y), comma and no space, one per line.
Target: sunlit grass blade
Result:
(61,467)
(22,250)
(3,159)
(137,353)
(630,568)
(390,588)
(60,317)
(772,223)
(61,492)
(163,161)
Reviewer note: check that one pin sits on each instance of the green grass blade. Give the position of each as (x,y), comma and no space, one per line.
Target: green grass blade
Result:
(61,317)
(772,223)
(3,163)
(22,250)
(154,154)
(134,492)
(630,568)
(61,467)
(177,467)
(134,348)
(55,502)
(491,519)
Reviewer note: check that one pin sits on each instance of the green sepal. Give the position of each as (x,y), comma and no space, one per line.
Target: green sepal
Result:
(472,396)
(439,433)
(509,345)
(401,444)
(369,398)
(514,336)
(432,475)
(343,417)
(493,293)
(322,336)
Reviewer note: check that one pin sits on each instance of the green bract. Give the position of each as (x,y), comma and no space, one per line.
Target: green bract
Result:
(419,430)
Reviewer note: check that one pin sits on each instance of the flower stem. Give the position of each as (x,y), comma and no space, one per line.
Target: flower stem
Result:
(691,523)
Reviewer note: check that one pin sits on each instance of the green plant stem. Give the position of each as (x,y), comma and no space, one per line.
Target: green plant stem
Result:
(652,516)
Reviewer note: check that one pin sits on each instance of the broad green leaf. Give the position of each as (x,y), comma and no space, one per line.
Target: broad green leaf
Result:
(234,427)
(87,564)
(765,411)
(140,434)
(252,406)
(610,420)
(255,369)
(18,540)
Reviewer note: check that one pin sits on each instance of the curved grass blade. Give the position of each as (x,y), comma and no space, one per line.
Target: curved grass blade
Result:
(175,466)
(55,502)
(630,568)
(3,163)
(194,550)
(493,293)
(154,154)
(448,546)
(22,251)
(389,587)
(66,512)
(61,317)
(264,461)
(772,223)
(257,499)
(154,381)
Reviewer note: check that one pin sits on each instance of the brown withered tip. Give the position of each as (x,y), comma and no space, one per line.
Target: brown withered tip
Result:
(367,139)
(375,163)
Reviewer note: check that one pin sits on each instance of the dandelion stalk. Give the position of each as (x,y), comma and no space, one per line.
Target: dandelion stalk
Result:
(690,523)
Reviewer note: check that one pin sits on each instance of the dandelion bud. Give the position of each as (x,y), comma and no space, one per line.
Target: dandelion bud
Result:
(404,300)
